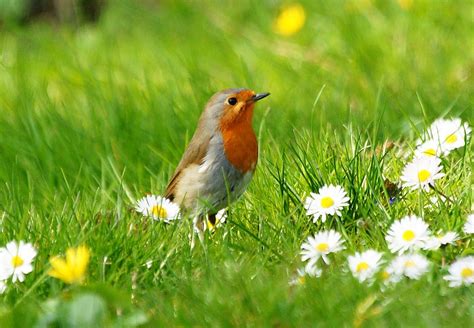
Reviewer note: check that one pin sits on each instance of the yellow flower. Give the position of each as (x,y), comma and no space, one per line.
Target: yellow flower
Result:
(73,269)
(405,4)
(290,20)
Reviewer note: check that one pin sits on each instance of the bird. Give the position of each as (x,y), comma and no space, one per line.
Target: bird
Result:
(220,160)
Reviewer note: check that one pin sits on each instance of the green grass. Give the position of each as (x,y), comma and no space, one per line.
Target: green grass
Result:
(95,117)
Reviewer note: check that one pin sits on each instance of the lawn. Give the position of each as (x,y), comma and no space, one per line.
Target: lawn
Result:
(95,117)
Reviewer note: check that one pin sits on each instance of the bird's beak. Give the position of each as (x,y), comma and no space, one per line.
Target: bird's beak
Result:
(259,96)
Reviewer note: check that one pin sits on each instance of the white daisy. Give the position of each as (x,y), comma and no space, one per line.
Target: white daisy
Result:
(450,134)
(390,274)
(364,265)
(409,233)
(469,225)
(16,260)
(220,217)
(461,272)
(158,208)
(412,266)
(328,201)
(313,270)
(3,286)
(323,243)
(436,242)
(429,148)
(422,173)
(302,273)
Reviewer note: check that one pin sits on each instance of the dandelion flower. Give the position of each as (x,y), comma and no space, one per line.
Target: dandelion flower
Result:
(322,244)
(290,20)
(450,134)
(158,208)
(409,233)
(469,225)
(16,260)
(421,173)
(405,4)
(73,269)
(436,242)
(429,148)
(328,201)
(412,266)
(364,265)
(461,272)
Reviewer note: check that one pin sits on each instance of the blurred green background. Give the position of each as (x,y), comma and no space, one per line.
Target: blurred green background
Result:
(135,80)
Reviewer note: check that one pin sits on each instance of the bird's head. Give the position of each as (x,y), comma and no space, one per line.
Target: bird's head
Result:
(233,107)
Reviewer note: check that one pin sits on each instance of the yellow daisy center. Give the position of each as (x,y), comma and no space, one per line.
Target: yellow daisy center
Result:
(302,280)
(159,212)
(322,247)
(423,175)
(17,261)
(430,152)
(410,264)
(452,138)
(362,266)
(467,272)
(327,202)
(408,235)
(385,275)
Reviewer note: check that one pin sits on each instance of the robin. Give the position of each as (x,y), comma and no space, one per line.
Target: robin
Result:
(220,160)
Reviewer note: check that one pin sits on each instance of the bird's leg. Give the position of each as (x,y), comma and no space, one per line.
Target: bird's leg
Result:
(193,241)
(199,226)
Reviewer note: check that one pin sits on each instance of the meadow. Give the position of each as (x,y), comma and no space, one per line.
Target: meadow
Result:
(95,117)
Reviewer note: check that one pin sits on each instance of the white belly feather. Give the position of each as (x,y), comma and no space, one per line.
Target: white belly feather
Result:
(208,186)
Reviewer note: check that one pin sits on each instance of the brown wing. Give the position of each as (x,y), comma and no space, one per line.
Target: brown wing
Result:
(194,154)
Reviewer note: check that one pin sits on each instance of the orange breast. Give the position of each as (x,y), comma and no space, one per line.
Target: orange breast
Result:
(240,143)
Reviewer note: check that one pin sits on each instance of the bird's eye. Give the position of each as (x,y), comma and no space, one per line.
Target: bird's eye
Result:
(232,101)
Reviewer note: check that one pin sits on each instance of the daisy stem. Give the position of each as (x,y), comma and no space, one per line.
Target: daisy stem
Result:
(28,292)
(420,202)
(442,194)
